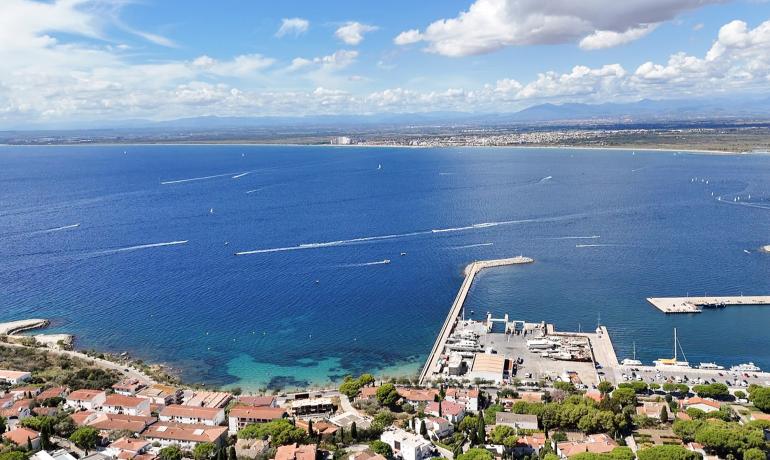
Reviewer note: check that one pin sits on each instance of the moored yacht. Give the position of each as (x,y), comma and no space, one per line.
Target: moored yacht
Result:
(710,366)
(673,362)
(746,367)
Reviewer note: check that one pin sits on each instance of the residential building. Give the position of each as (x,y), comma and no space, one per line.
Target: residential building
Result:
(704,404)
(417,396)
(161,394)
(128,448)
(22,437)
(19,410)
(128,387)
(240,416)
(437,427)
(320,427)
(211,416)
(529,444)
(595,444)
(184,435)
(54,392)
(258,401)
(468,397)
(653,409)
(14,377)
(86,399)
(26,391)
(365,455)
(60,454)
(208,399)
(409,446)
(452,411)
(516,421)
(108,423)
(369,393)
(297,452)
(311,406)
(129,405)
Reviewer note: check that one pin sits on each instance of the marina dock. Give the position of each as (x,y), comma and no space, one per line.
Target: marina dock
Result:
(470,273)
(698,304)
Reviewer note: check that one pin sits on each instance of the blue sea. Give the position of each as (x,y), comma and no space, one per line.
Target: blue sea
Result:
(131,248)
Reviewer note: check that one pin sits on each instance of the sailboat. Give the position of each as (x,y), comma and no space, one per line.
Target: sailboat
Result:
(632,362)
(379,166)
(673,362)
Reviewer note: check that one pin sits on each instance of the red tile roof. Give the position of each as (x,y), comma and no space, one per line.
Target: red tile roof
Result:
(257,413)
(123,401)
(296,452)
(19,436)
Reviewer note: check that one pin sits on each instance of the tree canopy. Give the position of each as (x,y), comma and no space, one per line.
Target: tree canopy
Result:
(281,432)
(667,453)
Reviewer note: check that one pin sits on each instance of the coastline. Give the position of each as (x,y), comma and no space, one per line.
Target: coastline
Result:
(642,148)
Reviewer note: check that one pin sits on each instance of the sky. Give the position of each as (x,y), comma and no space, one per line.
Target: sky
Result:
(94,60)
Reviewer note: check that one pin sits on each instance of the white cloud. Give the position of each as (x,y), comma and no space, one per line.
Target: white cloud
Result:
(352,33)
(338,59)
(408,37)
(489,25)
(240,66)
(609,38)
(293,26)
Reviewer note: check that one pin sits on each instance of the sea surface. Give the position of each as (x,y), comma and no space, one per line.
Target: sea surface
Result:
(132,248)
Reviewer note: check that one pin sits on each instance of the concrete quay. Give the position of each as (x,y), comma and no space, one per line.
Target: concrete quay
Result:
(471,270)
(697,304)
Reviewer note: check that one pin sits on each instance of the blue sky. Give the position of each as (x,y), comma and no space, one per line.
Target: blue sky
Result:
(91,60)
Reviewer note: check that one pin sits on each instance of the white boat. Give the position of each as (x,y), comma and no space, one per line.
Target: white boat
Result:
(710,366)
(632,362)
(746,367)
(673,362)
(539,344)
(386,261)
(403,253)
(379,166)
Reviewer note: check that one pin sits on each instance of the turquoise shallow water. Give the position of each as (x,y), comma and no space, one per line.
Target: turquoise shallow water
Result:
(315,302)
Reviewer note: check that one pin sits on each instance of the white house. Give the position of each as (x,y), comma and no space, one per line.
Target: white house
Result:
(14,377)
(60,454)
(452,411)
(409,446)
(183,435)
(240,416)
(467,397)
(129,405)
(211,416)
(86,399)
(438,427)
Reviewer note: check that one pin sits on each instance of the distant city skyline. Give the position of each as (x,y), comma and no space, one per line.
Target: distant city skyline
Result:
(95,60)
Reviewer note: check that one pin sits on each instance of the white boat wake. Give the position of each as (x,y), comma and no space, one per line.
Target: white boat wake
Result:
(468,246)
(57,229)
(253,191)
(592,237)
(365,264)
(238,176)
(595,245)
(545,179)
(141,246)
(368,239)
(193,179)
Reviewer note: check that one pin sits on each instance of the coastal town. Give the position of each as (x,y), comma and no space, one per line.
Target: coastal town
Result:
(498,388)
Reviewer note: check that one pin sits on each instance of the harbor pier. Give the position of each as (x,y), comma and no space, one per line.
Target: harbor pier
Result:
(698,304)
(454,312)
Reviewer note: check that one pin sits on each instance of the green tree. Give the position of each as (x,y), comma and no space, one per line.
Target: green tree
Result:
(667,453)
(281,432)
(203,451)
(481,429)
(13,455)
(760,397)
(350,387)
(379,447)
(423,429)
(231,454)
(712,390)
(754,454)
(624,397)
(476,454)
(354,430)
(387,395)
(85,437)
(664,414)
(605,387)
(3,424)
(172,452)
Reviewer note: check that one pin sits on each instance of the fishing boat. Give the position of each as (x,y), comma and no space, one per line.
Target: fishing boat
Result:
(746,367)
(632,362)
(673,362)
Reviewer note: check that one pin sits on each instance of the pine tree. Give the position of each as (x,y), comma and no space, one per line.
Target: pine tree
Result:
(310,428)
(231,454)
(423,429)
(663,415)
(342,435)
(439,409)
(353,431)
(482,429)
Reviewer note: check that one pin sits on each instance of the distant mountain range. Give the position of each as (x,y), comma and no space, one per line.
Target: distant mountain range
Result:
(644,111)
